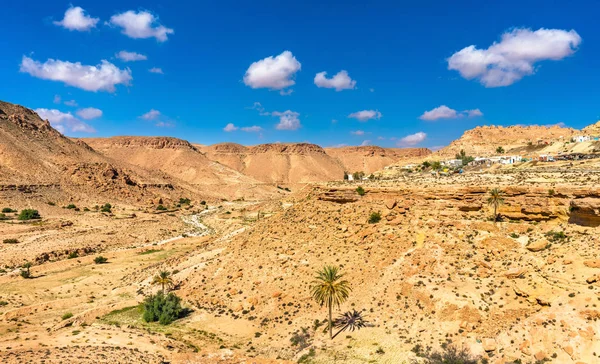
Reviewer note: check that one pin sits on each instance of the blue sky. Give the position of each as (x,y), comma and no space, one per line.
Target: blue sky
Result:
(532,63)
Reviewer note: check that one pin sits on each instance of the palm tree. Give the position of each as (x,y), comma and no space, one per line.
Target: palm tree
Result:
(351,320)
(329,289)
(495,200)
(164,279)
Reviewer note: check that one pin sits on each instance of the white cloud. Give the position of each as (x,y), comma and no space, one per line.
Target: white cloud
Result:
(473,113)
(56,99)
(341,81)
(251,129)
(515,56)
(64,121)
(412,139)
(71,103)
(76,19)
(102,77)
(230,127)
(140,25)
(357,132)
(288,120)
(275,73)
(440,112)
(444,112)
(366,115)
(164,124)
(261,110)
(130,56)
(156,70)
(151,115)
(365,143)
(89,113)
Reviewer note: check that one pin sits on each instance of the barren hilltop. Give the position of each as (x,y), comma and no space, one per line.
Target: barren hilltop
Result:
(153,250)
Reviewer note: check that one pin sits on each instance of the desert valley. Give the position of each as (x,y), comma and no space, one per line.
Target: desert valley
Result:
(486,249)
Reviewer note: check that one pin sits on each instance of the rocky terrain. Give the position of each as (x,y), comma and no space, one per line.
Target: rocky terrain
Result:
(429,266)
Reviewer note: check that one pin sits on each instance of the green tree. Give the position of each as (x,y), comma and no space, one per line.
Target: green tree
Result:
(330,289)
(360,191)
(495,200)
(164,279)
(26,273)
(163,308)
(436,165)
(28,214)
(500,150)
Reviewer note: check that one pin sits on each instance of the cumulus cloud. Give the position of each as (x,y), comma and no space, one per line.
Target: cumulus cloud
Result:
(365,115)
(412,139)
(71,103)
(230,127)
(473,113)
(89,113)
(515,56)
(76,19)
(156,70)
(251,129)
(288,120)
(444,112)
(140,25)
(130,56)
(440,112)
(151,115)
(341,81)
(261,110)
(357,132)
(64,122)
(103,77)
(274,73)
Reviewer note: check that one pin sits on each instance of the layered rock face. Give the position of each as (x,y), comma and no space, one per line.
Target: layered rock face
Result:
(369,159)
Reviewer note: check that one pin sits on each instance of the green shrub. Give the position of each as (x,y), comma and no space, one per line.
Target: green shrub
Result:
(185,201)
(203,203)
(448,355)
(360,191)
(10,241)
(51,203)
(374,218)
(161,208)
(25,273)
(163,308)
(73,255)
(514,235)
(100,260)
(3,303)
(551,192)
(28,214)
(70,206)
(106,208)
(66,316)
(556,236)
(8,210)
(3,217)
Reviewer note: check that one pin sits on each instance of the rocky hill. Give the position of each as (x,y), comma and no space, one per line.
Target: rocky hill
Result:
(593,129)
(180,159)
(303,162)
(373,158)
(35,156)
(483,140)
(278,162)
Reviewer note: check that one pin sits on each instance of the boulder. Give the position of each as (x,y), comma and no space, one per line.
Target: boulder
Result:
(538,245)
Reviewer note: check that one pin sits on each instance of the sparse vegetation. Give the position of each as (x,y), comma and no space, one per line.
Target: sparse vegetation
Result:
(374,218)
(73,255)
(436,165)
(8,210)
(29,214)
(556,236)
(450,354)
(161,208)
(330,289)
(10,241)
(360,191)
(67,316)
(100,260)
(163,308)
(70,206)
(106,208)
(185,201)
(25,271)
(500,150)
(466,159)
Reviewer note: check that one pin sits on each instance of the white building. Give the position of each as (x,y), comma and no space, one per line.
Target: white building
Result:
(581,138)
